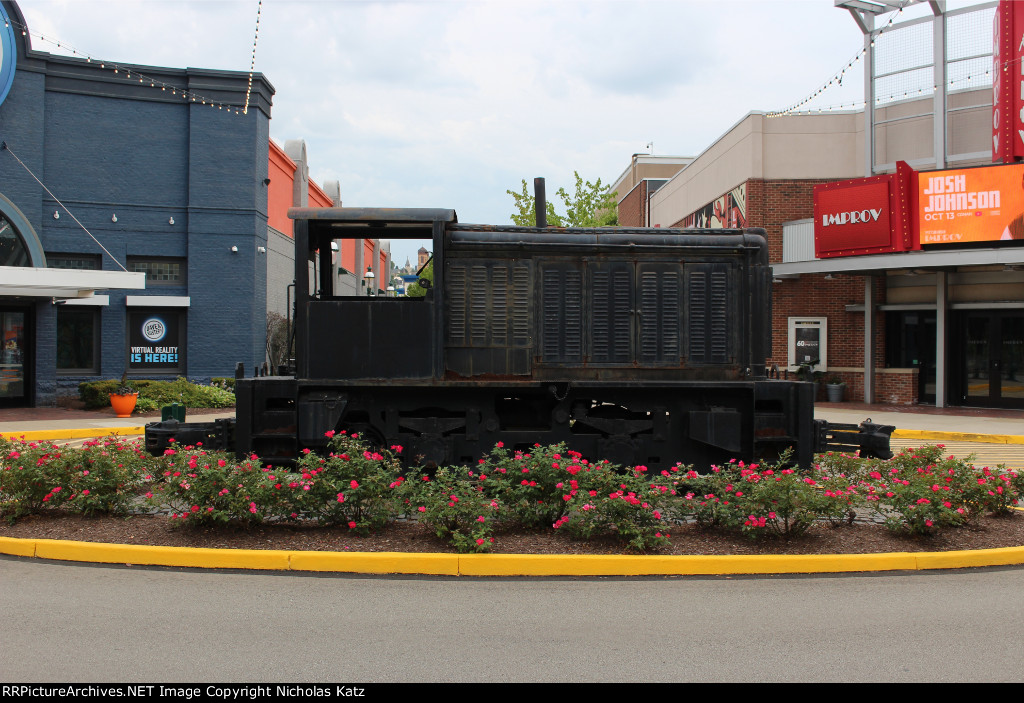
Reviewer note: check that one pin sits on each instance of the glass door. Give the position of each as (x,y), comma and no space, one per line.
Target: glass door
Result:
(993,359)
(14,357)
(1011,359)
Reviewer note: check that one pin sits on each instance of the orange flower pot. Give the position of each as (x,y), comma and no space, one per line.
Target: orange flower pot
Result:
(123,405)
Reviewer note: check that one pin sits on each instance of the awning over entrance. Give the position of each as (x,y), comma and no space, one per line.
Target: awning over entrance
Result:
(25,281)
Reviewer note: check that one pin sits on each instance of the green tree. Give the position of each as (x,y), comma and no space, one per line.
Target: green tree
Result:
(415,290)
(591,205)
(526,205)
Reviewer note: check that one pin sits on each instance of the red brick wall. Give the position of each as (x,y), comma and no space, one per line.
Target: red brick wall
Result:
(813,296)
(633,208)
(893,388)
(770,203)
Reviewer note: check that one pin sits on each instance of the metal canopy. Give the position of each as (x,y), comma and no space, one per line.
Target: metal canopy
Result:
(909,260)
(33,282)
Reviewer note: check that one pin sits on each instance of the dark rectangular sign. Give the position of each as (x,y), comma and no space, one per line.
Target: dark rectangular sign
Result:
(155,341)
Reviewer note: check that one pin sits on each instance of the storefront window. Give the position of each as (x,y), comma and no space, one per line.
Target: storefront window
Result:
(78,340)
(13,353)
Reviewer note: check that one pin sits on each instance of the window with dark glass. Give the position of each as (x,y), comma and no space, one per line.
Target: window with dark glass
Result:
(78,336)
(12,248)
(160,272)
(81,262)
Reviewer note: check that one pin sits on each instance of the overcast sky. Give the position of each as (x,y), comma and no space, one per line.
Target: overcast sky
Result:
(439,103)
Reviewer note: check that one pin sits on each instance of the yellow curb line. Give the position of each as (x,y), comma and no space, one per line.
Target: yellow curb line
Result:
(139,430)
(502,564)
(960,436)
(96,432)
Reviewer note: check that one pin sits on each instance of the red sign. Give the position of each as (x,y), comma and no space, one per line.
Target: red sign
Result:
(1008,83)
(863,216)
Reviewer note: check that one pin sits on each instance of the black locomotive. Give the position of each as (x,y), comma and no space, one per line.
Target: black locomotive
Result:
(641,346)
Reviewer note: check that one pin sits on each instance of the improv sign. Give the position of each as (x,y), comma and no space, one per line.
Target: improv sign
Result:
(864,215)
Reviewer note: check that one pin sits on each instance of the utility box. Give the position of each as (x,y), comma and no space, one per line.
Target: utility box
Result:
(174,411)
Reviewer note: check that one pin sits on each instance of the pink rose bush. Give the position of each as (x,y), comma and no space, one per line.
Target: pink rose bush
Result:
(101,477)
(362,488)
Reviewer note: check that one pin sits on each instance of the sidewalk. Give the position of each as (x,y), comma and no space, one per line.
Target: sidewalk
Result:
(64,423)
(919,421)
(997,425)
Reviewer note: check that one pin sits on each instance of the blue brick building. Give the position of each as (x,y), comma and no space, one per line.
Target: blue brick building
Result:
(161,166)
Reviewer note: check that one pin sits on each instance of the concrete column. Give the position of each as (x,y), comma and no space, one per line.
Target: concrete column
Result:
(869,339)
(941,306)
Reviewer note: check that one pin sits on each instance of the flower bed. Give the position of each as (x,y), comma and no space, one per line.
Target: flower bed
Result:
(361,489)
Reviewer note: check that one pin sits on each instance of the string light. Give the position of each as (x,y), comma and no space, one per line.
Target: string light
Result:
(252,64)
(153,82)
(953,83)
(837,78)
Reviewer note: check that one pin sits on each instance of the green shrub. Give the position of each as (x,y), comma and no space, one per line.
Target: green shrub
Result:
(156,394)
(352,486)
(103,476)
(225,382)
(203,487)
(454,505)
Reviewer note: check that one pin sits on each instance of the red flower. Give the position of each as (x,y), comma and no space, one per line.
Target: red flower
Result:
(329,434)
(352,525)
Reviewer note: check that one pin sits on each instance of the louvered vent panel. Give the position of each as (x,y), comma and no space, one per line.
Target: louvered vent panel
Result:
(573,328)
(659,315)
(698,297)
(456,285)
(478,305)
(650,317)
(521,285)
(499,306)
(600,315)
(719,317)
(668,331)
(552,311)
(622,313)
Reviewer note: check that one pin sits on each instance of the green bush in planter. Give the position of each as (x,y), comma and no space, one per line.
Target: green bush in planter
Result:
(156,394)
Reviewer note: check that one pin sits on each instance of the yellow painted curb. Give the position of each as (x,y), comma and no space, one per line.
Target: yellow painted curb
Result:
(161,556)
(936,436)
(97,432)
(654,565)
(504,564)
(18,547)
(376,563)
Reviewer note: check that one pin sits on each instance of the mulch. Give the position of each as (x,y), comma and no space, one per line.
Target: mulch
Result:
(402,536)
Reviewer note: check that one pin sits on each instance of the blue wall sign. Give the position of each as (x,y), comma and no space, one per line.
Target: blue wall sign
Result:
(8,54)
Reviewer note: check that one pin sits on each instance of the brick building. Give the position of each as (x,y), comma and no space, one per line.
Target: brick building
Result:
(143,221)
(762,173)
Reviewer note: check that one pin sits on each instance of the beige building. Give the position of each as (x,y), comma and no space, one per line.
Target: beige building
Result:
(942,326)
